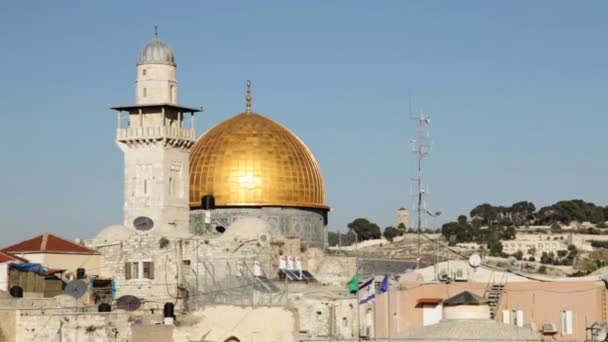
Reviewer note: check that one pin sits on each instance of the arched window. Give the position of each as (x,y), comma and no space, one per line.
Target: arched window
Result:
(145,92)
(145,186)
(172,93)
(143,72)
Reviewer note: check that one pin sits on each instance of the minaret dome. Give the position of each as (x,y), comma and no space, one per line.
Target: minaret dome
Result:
(156,73)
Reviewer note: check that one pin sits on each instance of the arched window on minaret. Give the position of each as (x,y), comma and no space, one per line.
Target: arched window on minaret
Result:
(145,186)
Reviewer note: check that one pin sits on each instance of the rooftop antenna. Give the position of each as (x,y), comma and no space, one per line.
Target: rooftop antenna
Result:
(248,98)
(421,148)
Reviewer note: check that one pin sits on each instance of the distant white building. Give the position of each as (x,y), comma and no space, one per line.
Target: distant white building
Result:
(540,243)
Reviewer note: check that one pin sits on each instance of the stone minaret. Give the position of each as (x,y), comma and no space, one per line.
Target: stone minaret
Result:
(156,145)
(403,217)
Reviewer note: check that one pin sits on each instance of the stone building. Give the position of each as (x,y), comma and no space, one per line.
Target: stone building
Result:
(55,252)
(403,218)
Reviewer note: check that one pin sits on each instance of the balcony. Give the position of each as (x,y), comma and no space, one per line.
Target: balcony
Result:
(133,134)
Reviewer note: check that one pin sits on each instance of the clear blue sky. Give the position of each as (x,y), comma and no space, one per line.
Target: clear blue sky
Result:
(517,91)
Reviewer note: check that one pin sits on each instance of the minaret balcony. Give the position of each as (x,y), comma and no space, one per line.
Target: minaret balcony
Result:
(132,134)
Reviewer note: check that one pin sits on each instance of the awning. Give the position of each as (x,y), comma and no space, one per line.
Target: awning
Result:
(428,300)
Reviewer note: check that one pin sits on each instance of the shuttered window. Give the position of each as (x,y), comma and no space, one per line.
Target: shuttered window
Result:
(139,270)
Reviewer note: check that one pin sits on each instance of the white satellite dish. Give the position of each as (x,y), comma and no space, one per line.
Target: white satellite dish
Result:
(600,331)
(475,260)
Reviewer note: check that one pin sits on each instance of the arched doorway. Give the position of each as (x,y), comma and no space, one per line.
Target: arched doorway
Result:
(232,339)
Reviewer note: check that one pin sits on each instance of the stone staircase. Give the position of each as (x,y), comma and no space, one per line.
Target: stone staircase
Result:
(494,295)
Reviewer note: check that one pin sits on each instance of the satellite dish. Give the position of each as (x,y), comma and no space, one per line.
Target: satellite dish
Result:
(600,331)
(75,288)
(128,302)
(143,223)
(512,260)
(475,260)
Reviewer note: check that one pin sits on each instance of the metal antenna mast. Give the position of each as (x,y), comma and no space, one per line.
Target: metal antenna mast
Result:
(421,148)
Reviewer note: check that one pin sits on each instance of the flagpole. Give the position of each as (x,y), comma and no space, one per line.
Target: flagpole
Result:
(388,306)
(374,306)
(357,293)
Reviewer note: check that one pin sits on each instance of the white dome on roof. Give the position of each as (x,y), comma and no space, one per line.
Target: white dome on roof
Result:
(248,228)
(114,232)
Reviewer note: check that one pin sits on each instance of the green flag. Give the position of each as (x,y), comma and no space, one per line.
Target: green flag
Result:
(353,284)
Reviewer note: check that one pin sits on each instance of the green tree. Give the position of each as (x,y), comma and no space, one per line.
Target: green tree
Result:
(542,269)
(522,213)
(486,212)
(391,232)
(518,255)
(365,229)
(495,247)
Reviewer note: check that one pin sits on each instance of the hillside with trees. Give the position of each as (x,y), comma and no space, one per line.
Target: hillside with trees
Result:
(490,224)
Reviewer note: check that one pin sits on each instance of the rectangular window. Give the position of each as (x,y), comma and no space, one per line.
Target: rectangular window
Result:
(139,270)
(517,318)
(135,270)
(567,322)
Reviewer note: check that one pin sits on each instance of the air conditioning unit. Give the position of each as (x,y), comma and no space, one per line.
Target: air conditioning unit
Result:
(549,328)
(459,275)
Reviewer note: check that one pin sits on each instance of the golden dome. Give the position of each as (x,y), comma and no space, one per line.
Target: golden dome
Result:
(251,160)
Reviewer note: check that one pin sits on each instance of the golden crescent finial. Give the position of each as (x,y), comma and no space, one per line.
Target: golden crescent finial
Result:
(248,98)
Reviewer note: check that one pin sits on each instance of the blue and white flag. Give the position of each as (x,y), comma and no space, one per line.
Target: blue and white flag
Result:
(384,285)
(367,291)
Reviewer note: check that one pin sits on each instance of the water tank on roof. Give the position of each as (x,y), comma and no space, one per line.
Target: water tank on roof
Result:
(169,313)
(208,202)
(80,273)
(16,291)
(104,307)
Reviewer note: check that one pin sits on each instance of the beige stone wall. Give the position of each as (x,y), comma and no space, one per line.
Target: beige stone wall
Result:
(159,82)
(255,324)
(61,318)
(156,186)
(326,318)
(335,270)
(177,264)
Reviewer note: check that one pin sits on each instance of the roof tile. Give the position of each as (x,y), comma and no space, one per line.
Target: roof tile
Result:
(47,242)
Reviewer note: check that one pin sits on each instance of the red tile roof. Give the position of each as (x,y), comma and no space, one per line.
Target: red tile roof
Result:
(428,300)
(5,257)
(47,242)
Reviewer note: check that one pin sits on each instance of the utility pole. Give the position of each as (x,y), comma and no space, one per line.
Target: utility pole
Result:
(421,148)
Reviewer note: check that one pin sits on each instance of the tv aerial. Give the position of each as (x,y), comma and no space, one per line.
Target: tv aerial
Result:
(475,260)
(143,223)
(128,303)
(76,288)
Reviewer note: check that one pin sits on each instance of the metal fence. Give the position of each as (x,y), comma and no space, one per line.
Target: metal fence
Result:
(234,281)
(417,339)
